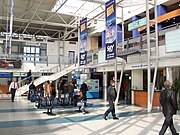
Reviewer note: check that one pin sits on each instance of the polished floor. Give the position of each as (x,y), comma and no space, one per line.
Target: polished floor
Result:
(22,118)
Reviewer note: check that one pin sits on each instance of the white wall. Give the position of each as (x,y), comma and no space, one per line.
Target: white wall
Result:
(71,47)
(88,43)
(137,79)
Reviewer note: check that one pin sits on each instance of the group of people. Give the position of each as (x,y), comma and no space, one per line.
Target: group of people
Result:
(168,99)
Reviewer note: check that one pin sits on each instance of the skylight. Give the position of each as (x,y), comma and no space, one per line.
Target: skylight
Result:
(79,7)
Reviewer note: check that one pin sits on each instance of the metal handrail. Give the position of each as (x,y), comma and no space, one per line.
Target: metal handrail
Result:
(23,81)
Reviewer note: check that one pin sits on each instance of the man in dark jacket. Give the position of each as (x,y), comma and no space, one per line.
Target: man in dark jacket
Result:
(32,89)
(84,90)
(112,94)
(29,77)
(168,101)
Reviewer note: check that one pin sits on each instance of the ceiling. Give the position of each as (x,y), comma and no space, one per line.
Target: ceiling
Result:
(59,18)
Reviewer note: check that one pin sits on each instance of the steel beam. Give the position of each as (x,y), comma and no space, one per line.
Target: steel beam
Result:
(40,22)
(32,16)
(95,1)
(61,6)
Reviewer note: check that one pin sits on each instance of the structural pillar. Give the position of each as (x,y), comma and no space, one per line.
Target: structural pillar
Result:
(105,85)
(169,74)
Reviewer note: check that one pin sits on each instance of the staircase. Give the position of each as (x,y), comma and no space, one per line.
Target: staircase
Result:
(43,79)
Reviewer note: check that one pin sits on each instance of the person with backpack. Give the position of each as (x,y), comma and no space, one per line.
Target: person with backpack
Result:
(32,89)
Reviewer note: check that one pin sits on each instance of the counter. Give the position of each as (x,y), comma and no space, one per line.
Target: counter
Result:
(141,97)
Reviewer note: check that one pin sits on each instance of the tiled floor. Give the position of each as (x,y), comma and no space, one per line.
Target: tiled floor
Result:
(22,118)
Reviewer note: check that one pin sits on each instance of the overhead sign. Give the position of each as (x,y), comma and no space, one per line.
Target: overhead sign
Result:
(126,52)
(18,74)
(110,12)
(137,24)
(5,74)
(83,42)
(10,63)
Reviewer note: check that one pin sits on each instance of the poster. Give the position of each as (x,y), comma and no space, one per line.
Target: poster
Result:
(83,41)
(110,12)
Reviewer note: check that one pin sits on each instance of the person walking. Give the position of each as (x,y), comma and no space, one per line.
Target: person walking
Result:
(32,89)
(12,88)
(60,88)
(47,89)
(168,102)
(84,90)
(29,76)
(70,91)
(112,94)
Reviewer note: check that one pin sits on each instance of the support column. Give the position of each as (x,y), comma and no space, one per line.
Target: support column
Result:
(169,74)
(135,32)
(161,10)
(105,85)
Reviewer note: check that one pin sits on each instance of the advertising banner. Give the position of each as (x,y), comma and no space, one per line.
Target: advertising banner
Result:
(83,58)
(83,41)
(10,63)
(110,12)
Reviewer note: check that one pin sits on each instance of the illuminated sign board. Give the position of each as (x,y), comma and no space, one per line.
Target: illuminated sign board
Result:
(137,24)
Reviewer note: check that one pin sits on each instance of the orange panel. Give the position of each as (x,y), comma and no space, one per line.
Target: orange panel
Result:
(163,18)
(140,98)
(4,88)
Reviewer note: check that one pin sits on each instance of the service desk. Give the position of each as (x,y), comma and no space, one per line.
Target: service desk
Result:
(4,88)
(141,98)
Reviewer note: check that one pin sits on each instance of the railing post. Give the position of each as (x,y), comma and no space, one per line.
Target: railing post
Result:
(141,42)
(47,60)
(34,60)
(127,45)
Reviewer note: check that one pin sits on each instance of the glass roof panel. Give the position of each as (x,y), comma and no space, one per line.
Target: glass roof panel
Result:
(79,7)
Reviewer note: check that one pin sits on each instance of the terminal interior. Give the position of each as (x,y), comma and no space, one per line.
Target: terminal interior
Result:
(64,43)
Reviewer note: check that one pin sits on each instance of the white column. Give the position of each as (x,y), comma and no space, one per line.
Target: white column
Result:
(105,85)
(169,74)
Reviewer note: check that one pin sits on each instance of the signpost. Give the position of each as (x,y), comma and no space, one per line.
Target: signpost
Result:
(137,24)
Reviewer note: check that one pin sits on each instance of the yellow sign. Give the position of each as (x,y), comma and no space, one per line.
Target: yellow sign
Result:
(110,10)
(83,26)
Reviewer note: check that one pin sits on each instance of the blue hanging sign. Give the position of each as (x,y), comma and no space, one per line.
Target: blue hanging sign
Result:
(110,12)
